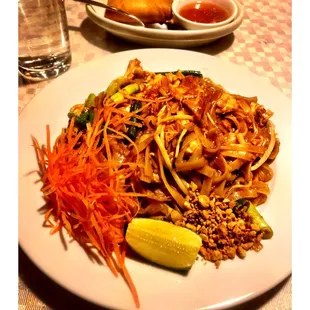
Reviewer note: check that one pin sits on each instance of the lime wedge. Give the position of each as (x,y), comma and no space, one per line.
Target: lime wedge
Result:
(163,243)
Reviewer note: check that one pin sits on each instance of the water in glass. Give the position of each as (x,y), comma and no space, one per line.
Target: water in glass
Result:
(44,47)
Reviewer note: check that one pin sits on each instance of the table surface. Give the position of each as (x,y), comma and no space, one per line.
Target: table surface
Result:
(262,43)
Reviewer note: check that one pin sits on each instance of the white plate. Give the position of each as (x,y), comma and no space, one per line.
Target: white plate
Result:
(159,37)
(204,287)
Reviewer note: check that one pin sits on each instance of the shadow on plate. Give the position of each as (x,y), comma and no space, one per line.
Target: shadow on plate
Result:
(58,298)
(260,301)
(103,39)
(217,46)
(50,293)
(134,256)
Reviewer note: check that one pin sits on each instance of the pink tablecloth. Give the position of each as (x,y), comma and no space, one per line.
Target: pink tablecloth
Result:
(262,43)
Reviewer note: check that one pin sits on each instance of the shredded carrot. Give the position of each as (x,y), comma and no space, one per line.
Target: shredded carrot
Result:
(86,194)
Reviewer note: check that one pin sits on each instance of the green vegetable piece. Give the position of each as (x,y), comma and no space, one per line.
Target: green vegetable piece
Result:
(132,131)
(129,89)
(192,72)
(258,219)
(241,203)
(91,116)
(184,72)
(115,85)
(90,101)
(70,115)
(83,118)
(117,97)
(135,106)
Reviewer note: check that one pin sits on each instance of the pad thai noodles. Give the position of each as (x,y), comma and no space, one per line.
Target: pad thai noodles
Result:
(168,145)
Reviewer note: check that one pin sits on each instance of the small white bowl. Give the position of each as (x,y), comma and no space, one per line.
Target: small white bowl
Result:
(229,5)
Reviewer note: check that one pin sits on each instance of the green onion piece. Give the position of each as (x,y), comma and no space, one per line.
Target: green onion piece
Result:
(129,89)
(132,130)
(90,101)
(184,72)
(115,85)
(258,219)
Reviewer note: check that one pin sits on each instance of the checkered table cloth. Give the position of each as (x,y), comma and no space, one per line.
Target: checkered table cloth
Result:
(262,43)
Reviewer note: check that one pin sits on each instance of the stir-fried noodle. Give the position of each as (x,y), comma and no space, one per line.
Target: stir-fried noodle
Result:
(143,146)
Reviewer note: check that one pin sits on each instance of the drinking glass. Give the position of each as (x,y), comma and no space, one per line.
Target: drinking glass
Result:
(43,39)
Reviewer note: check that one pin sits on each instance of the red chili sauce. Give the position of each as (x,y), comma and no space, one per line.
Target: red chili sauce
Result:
(203,12)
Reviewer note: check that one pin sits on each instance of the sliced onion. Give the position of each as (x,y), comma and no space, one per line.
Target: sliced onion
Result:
(174,193)
(269,149)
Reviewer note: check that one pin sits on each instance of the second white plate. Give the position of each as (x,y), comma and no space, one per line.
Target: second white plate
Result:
(160,37)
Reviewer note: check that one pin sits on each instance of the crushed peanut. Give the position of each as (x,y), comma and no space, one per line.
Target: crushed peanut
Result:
(224,233)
